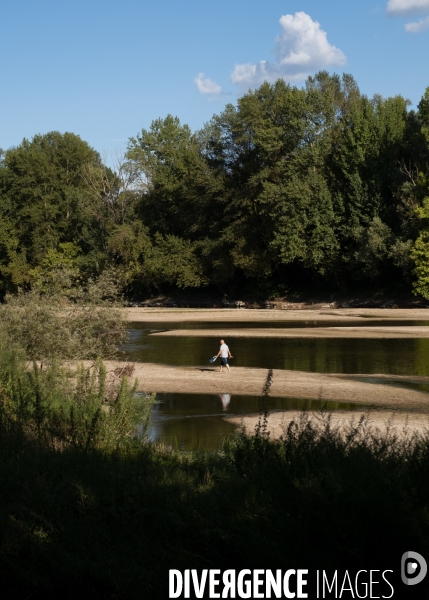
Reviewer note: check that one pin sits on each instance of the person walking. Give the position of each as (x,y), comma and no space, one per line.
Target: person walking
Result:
(224,354)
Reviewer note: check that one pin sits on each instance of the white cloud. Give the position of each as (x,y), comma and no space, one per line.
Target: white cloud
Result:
(248,75)
(417,26)
(407,7)
(301,48)
(206,85)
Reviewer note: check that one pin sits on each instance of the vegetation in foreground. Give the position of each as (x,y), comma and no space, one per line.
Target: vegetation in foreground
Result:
(87,507)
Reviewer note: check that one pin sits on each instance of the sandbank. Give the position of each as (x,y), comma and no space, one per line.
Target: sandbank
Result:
(154,315)
(387,332)
(358,389)
(396,422)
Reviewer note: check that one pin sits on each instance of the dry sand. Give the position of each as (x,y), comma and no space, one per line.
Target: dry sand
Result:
(308,332)
(286,384)
(154,315)
(365,315)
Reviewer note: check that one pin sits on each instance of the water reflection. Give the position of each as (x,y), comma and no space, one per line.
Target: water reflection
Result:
(195,421)
(320,355)
(410,385)
(225,399)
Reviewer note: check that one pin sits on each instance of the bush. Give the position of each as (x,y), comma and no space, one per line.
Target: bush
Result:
(53,326)
(62,409)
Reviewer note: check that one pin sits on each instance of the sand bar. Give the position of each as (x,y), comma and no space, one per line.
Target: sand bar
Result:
(397,422)
(154,315)
(286,384)
(387,332)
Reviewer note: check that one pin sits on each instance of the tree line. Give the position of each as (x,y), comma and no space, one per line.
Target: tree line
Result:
(288,188)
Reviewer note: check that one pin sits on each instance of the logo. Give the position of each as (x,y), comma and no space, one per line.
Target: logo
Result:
(413,568)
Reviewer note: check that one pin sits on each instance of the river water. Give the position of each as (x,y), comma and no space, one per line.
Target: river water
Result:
(195,421)
(323,355)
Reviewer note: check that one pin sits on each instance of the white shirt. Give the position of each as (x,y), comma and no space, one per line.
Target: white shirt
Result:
(224,351)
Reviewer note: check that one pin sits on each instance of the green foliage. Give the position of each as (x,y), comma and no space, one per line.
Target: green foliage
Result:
(374,243)
(107,206)
(90,506)
(63,409)
(146,263)
(41,180)
(181,188)
(424,113)
(173,260)
(307,172)
(305,230)
(58,272)
(288,186)
(420,253)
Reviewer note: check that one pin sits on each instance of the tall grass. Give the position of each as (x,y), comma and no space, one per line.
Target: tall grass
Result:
(60,408)
(86,510)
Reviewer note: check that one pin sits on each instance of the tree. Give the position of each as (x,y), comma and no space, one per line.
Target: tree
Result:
(420,188)
(182,188)
(279,209)
(107,205)
(40,185)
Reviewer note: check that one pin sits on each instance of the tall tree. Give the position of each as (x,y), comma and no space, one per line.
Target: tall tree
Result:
(41,181)
(279,208)
(181,188)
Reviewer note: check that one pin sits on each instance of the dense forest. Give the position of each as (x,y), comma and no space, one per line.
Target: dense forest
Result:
(319,186)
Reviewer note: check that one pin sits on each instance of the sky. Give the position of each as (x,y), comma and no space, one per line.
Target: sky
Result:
(105,70)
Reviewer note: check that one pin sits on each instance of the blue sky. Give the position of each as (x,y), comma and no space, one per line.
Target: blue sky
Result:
(105,70)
